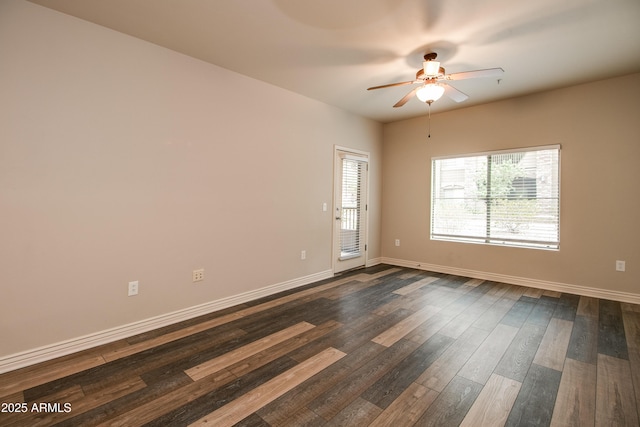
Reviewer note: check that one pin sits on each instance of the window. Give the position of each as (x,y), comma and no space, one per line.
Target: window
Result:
(504,197)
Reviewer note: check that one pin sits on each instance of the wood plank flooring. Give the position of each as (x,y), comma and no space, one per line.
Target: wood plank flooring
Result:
(374,347)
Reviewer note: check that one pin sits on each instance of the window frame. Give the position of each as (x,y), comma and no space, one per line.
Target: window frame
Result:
(488,239)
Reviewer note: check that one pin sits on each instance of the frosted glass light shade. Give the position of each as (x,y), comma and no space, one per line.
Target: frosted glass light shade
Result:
(430,92)
(431,68)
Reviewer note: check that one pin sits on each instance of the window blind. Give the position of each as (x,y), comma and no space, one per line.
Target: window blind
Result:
(506,197)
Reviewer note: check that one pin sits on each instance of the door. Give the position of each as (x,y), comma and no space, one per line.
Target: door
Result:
(350,209)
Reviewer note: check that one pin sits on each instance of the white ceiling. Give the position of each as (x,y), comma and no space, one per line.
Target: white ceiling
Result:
(332,50)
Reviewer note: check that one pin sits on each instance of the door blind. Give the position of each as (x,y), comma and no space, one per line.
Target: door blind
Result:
(352,205)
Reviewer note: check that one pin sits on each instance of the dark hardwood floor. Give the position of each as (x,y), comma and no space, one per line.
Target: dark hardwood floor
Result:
(381,346)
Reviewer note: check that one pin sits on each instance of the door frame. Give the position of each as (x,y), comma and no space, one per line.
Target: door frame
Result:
(335,246)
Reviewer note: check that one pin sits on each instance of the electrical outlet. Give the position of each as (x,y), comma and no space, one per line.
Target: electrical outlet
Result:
(620,265)
(133,288)
(198,275)
(303,255)
(397,242)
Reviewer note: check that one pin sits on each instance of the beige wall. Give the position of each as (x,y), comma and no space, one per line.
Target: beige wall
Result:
(598,127)
(121,161)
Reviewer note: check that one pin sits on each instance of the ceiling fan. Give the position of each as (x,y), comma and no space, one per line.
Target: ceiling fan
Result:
(432,79)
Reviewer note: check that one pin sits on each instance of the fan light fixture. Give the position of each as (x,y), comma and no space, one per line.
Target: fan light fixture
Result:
(430,92)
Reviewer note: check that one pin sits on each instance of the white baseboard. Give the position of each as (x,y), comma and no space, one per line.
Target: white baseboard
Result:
(521,281)
(373,261)
(63,348)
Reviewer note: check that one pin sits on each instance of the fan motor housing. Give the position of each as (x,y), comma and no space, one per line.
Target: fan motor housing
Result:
(420,73)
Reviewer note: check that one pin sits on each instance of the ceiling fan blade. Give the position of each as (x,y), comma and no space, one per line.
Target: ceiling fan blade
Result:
(406,98)
(392,85)
(455,94)
(489,72)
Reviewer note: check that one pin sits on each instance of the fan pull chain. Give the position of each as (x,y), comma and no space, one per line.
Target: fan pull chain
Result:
(429,136)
